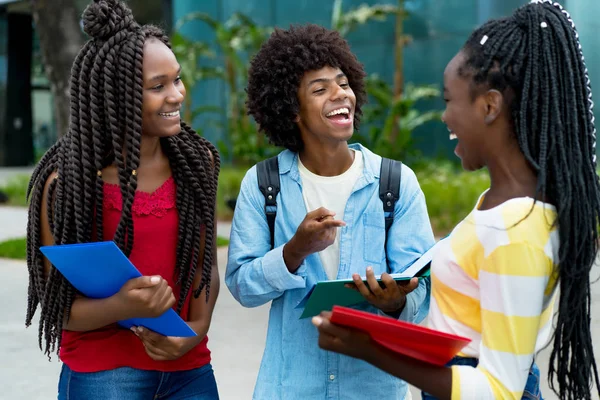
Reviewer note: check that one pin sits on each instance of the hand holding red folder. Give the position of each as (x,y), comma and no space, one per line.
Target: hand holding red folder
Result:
(403,338)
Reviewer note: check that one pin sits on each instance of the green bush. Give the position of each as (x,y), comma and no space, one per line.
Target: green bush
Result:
(17,248)
(15,189)
(14,248)
(221,241)
(450,193)
(230,180)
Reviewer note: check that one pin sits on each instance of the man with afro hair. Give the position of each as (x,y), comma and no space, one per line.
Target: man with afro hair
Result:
(305,91)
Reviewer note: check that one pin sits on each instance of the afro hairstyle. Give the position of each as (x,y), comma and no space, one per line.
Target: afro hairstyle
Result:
(277,69)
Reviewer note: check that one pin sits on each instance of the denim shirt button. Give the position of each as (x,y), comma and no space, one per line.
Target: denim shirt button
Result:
(331,377)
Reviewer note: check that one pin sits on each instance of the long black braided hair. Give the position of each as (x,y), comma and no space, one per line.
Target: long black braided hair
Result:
(534,56)
(105,129)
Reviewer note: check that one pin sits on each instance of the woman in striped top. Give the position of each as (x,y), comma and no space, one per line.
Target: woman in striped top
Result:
(518,100)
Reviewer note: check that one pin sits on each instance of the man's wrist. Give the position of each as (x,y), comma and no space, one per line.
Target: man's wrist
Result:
(292,257)
(396,313)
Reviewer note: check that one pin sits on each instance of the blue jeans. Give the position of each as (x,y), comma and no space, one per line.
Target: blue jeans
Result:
(532,387)
(135,384)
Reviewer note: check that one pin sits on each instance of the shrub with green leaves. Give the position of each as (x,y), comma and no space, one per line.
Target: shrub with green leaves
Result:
(17,248)
(14,248)
(16,189)
(450,193)
(230,180)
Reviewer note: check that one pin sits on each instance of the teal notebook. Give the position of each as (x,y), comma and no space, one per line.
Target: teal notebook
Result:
(326,294)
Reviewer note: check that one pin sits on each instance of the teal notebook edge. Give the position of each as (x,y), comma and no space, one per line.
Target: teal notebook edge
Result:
(99,270)
(326,294)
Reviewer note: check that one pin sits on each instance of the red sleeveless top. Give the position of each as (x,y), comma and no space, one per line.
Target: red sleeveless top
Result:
(156,224)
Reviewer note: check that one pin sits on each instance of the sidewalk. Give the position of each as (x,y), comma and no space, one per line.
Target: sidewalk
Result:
(237,334)
(13,222)
(236,339)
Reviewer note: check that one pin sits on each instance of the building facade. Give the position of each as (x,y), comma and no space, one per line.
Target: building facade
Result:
(438,28)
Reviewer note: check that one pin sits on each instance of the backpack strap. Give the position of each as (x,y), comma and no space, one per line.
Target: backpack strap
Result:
(268,182)
(389,189)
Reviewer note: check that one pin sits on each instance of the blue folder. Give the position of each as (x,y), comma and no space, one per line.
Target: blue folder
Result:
(99,270)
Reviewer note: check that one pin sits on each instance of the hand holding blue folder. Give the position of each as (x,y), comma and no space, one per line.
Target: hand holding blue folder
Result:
(99,270)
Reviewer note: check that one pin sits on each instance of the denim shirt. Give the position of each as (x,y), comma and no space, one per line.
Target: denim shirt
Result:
(293,366)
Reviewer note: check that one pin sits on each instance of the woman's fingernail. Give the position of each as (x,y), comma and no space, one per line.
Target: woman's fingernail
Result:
(369,269)
(317,321)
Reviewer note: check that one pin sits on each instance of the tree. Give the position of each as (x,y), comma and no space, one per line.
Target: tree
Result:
(392,106)
(59,31)
(401,41)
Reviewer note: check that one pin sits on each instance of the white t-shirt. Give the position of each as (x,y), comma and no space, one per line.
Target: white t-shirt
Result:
(331,192)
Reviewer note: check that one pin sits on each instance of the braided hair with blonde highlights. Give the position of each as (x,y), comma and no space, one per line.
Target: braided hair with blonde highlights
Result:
(534,56)
(105,129)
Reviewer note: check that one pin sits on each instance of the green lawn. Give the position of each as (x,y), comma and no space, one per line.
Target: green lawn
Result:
(15,189)
(221,241)
(16,248)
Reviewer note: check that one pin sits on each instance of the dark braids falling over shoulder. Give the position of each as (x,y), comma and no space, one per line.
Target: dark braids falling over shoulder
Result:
(534,57)
(105,128)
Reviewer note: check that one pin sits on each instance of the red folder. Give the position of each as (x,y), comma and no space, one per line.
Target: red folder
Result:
(404,338)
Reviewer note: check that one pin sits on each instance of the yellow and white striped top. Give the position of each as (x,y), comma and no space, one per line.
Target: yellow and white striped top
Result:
(493,280)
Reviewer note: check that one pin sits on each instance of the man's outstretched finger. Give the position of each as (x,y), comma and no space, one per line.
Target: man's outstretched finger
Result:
(332,223)
(321,213)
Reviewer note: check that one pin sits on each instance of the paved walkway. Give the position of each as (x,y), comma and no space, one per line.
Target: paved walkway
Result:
(237,337)
(237,334)
(26,374)
(13,222)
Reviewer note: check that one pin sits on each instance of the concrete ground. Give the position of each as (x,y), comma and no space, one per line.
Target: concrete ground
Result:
(236,339)
(13,222)
(237,334)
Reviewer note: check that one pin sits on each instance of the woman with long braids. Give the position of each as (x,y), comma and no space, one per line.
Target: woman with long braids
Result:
(131,171)
(518,100)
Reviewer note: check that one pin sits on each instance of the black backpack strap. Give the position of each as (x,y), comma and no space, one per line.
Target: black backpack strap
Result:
(389,189)
(268,182)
